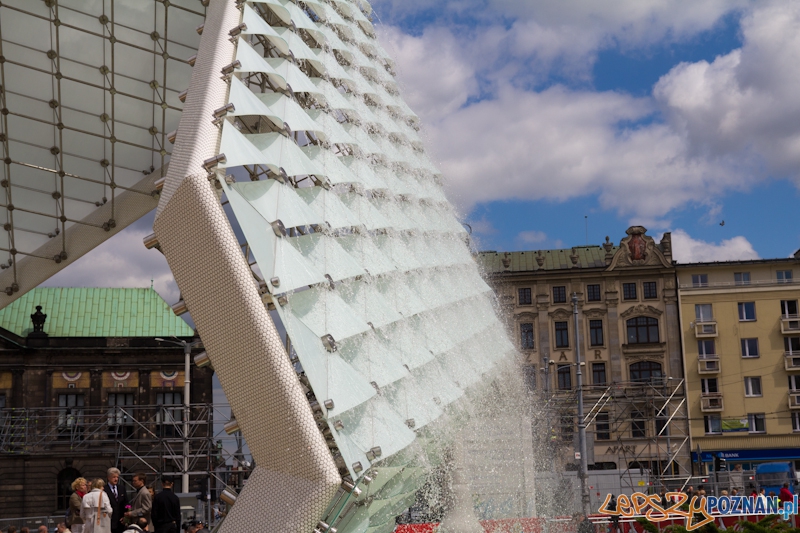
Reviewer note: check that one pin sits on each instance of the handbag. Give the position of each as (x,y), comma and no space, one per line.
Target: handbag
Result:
(99,505)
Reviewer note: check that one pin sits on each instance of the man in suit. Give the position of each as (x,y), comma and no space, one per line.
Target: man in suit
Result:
(118,498)
(142,502)
(166,509)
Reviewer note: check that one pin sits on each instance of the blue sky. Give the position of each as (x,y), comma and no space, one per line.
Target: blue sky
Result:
(674,115)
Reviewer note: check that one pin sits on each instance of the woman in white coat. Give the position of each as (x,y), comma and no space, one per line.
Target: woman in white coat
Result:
(96,510)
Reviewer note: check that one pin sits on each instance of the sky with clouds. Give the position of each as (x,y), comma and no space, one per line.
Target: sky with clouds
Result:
(558,123)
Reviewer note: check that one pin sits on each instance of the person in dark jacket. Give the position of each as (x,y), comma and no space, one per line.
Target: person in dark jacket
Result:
(118,498)
(166,514)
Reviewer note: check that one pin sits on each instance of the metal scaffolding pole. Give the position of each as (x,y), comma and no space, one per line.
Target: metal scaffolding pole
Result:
(584,471)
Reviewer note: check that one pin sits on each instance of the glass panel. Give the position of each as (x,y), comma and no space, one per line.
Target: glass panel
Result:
(327,255)
(365,299)
(324,312)
(277,201)
(327,205)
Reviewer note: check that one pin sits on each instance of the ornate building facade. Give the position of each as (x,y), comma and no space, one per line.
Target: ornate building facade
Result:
(629,341)
(84,386)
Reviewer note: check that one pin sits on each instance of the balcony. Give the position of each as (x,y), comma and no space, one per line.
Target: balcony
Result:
(711,402)
(708,364)
(791,361)
(790,324)
(794,399)
(706,328)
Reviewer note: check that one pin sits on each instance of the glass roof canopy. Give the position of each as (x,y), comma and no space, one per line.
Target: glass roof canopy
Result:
(89,90)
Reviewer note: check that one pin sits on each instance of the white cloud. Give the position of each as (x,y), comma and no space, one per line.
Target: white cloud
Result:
(532,237)
(744,103)
(685,249)
(121,261)
(536,36)
(560,144)
(727,124)
(436,79)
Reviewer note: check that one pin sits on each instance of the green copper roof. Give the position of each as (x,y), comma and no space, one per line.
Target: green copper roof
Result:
(588,257)
(91,312)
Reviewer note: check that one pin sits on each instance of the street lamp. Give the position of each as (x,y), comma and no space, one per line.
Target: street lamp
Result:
(187,389)
(581,422)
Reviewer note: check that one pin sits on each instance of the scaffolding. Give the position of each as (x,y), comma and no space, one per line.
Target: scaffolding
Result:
(652,414)
(142,438)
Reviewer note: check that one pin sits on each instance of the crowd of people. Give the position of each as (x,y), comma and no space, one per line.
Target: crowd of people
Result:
(103,506)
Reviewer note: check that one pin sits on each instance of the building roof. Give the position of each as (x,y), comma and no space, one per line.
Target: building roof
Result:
(95,312)
(588,257)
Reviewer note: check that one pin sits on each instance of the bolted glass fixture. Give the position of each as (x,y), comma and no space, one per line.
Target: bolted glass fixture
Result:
(228,496)
(211,162)
(227,70)
(180,308)
(329,342)
(150,241)
(202,360)
(231,427)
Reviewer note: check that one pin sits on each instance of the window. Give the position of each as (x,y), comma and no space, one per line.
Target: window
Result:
(706,347)
(795,421)
(703,312)
(629,291)
(757,423)
(749,347)
(526,334)
(170,413)
(645,371)
(741,278)
(120,415)
(747,311)
(559,295)
(524,296)
(642,330)
(567,428)
(529,372)
(70,414)
(593,293)
(784,276)
(562,335)
(638,424)
(699,280)
(794,383)
(603,427)
(789,308)
(713,424)
(2,401)
(564,377)
(791,345)
(596,332)
(709,386)
(650,290)
(598,373)
(752,386)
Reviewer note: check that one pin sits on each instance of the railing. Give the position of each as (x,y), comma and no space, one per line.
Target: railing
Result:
(791,361)
(790,324)
(708,364)
(711,402)
(794,399)
(54,430)
(704,328)
(725,284)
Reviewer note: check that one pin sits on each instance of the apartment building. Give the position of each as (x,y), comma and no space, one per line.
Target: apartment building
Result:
(741,338)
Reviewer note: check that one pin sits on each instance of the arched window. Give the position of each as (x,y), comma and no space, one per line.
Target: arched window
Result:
(645,371)
(642,330)
(64,488)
